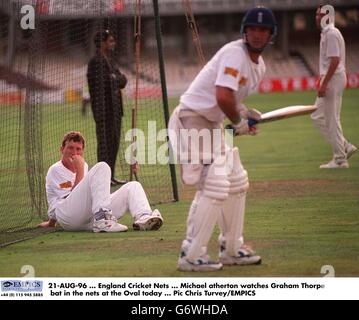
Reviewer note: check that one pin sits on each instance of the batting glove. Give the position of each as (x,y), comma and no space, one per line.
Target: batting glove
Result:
(242,128)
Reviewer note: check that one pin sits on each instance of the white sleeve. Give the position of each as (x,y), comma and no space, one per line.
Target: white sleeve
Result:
(228,73)
(57,187)
(333,49)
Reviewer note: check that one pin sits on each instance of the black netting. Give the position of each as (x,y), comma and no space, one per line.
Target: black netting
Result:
(33,122)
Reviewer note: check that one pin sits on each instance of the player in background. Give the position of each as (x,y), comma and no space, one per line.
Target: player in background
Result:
(80,199)
(332,84)
(105,82)
(86,100)
(230,76)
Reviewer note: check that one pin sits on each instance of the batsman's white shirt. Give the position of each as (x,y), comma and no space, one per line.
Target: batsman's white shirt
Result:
(59,182)
(332,44)
(230,67)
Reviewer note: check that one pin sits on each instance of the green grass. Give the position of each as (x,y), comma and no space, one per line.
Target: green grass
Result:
(298,218)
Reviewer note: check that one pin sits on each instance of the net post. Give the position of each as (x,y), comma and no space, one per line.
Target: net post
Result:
(164,90)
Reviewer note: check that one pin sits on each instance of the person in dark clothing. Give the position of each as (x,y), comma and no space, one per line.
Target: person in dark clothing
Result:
(105,83)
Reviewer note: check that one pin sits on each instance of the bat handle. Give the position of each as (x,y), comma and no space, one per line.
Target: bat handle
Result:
(252,122)
(230,126)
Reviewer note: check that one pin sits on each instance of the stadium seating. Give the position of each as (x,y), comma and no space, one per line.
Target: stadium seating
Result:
(69,72)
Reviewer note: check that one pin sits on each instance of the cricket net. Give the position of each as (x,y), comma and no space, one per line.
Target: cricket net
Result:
(44,94)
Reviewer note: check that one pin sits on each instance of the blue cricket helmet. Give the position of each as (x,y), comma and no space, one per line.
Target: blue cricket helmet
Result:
(259,17)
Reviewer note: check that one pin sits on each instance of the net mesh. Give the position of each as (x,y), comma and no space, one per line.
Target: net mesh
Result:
(56,53)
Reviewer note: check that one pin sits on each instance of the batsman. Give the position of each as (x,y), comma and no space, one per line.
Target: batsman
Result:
(217,92)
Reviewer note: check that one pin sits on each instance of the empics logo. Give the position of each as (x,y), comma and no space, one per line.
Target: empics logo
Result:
(22,286)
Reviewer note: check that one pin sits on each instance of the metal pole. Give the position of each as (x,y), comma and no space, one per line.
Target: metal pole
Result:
(164,89)
(11,38)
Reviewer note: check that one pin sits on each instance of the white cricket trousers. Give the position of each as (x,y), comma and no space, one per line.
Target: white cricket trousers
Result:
(196,174)
(76,212)
(327,117)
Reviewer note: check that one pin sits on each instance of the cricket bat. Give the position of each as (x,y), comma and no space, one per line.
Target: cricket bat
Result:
(278,114)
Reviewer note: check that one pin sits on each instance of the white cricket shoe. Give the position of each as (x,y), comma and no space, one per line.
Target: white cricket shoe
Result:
(151,221)
(109,224)
(245,256)
(335,165)
(350,150)
(202,264)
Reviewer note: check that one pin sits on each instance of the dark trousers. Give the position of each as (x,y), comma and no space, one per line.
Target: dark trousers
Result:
(108,133)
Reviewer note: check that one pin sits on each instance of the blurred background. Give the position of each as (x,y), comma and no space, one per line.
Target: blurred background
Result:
(68,28)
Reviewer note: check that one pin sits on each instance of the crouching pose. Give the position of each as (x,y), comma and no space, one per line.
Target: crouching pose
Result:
(81,200)
(229,77)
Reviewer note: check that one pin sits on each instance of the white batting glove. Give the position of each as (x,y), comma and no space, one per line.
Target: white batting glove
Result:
(250,113)
(241,128)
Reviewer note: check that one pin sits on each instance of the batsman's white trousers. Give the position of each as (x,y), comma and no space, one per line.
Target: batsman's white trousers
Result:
(76,212)
(196,174)
(327,117)
(197,152)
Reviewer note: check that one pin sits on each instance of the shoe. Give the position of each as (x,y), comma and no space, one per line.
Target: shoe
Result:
(115,182)
(201,264)
(151,221)
(245,256)
(350,150)
(335,165)
(108,224)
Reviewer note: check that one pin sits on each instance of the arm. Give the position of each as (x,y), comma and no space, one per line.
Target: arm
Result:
(227,102)
(97,76)
(47,224)
(79,164)
(121,79)
(334,62)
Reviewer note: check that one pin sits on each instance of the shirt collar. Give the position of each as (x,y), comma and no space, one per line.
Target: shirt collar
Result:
(328,27)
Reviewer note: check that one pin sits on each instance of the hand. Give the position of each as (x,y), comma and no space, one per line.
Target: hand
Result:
(78,162)
(242,128)
(321,91)
(47,224)
(254,114)
(135,167)
(253,130)
(246,113)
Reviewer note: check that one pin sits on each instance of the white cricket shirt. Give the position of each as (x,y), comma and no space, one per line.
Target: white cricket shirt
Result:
(59,182)
(332,44)
(230,67)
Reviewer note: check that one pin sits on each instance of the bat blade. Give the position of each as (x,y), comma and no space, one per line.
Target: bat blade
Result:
(278,114)
(287,112)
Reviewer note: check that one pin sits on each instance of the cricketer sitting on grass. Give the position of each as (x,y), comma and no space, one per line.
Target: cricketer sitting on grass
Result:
(81,200)
(230,76)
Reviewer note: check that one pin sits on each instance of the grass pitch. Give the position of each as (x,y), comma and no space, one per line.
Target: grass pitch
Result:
(298,218)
